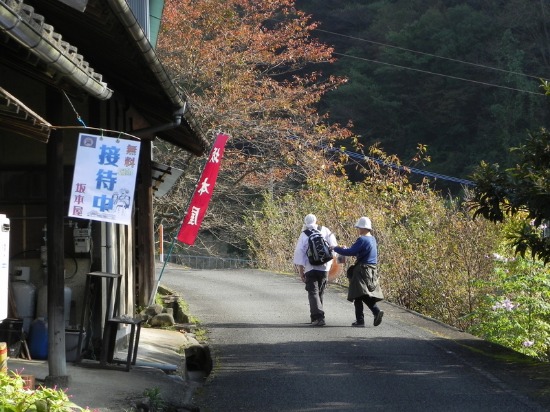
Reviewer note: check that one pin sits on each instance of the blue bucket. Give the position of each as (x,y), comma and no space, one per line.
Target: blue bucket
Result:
(38,339)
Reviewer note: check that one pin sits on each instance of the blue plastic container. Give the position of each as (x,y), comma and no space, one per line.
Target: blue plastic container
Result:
(38,339)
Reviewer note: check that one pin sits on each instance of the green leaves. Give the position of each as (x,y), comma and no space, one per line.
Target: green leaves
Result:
(515,314)
(523,191)
(14,397)
(489,194)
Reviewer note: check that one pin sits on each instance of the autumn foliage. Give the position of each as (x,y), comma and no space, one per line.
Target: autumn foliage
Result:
(251,70)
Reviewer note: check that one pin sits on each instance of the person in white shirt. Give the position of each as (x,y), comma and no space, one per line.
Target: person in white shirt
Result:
(315,277)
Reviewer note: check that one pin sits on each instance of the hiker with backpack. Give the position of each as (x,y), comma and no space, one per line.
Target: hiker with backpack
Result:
(313,258)
(363,275)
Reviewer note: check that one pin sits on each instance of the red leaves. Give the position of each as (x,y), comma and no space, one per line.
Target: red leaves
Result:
(247,67)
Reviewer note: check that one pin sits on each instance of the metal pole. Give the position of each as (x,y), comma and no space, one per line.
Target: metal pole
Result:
(155,288)
(161,242)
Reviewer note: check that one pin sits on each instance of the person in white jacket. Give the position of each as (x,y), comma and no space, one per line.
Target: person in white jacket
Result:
(315,277)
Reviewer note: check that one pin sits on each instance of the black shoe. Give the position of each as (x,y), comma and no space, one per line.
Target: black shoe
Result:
(358,324)
(378,318)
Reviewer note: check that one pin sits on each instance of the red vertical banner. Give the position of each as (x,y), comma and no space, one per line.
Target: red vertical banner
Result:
(203,193)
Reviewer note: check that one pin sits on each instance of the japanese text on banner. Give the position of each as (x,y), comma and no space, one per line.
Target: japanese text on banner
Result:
(104,179)
(203,193)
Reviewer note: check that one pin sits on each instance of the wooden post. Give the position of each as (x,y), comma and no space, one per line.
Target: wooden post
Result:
(145,227)
(55,244)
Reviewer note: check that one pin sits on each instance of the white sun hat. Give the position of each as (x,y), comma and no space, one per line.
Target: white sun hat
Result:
(310,221)
(364,223)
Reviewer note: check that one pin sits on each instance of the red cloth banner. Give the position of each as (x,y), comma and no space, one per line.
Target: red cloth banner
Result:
(203,193)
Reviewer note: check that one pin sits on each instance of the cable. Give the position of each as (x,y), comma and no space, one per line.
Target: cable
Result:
(432,55)
(74,110)
(395,166)
(414,170)
(439,74)
(118,132)
(23,252)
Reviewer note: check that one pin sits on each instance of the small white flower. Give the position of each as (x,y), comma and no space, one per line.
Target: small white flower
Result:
(507,304)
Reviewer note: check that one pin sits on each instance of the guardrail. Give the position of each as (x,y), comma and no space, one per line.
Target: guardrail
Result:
(210,262)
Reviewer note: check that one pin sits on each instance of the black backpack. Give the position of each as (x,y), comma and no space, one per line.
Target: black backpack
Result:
(318,252)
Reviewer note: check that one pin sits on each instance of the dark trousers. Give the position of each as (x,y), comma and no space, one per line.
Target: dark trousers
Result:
(316,283)
(371,304)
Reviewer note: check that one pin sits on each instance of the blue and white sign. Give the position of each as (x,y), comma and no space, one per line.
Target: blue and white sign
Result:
(104,179)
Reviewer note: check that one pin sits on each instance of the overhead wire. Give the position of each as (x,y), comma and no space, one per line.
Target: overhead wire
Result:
(354,155)
(359,156)
(440,74)
(438,57)
(432,55)
(483,66)
(362,157)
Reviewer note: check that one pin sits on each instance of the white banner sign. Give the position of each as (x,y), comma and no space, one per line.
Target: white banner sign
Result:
(104,179)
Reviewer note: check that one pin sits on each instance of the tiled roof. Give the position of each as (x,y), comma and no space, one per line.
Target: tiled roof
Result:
(20,22)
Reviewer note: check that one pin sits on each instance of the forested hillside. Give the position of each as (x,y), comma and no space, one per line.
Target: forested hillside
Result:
(462,77)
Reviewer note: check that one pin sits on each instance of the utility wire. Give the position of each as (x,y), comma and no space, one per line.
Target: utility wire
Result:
(431,55)
(362,157)
(438,74)
(401,168)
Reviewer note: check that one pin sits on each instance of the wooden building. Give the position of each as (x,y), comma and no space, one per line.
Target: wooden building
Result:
(67,67)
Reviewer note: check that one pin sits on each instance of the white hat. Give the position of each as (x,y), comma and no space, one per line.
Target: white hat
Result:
(310,220)
(363,223)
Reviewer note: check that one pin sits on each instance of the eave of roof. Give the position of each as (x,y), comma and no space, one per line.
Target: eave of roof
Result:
(19,22)
(18,118)
(108,34)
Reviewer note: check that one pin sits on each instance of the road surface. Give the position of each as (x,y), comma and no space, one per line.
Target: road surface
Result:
(267,357)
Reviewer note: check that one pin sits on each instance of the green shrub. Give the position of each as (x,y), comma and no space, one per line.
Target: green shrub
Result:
(516,313)
(434,258)
(15,398)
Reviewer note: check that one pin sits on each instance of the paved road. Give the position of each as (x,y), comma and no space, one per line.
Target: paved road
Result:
(268,358)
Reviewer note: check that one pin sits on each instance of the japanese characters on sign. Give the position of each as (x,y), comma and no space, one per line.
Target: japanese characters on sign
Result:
(104,179)
(203,193)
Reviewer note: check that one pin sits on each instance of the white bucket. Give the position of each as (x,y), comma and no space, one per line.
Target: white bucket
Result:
(71,344)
